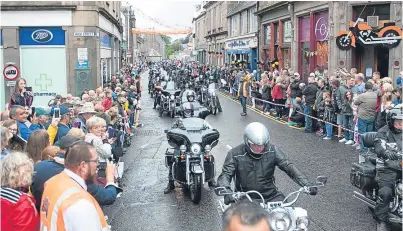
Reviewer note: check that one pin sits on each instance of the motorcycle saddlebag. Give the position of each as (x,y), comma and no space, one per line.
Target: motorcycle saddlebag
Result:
(209,169)
(362,175)
(179,171)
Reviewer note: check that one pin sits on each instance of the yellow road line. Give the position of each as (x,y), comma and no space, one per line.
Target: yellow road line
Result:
(259,112)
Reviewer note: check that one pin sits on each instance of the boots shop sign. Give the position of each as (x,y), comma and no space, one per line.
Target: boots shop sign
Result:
(42,36)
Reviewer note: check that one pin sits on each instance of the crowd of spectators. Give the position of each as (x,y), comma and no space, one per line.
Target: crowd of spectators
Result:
(73,139)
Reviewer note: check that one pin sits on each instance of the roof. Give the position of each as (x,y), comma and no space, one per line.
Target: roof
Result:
(242,5)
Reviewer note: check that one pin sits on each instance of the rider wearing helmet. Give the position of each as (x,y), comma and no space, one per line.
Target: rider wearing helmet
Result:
(252,164)
(190,96)
(388,143)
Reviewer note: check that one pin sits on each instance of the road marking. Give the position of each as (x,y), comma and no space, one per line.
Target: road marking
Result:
(259,112)
(143,146)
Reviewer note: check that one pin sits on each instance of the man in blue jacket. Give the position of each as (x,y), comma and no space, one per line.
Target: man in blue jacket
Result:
(46,169)
(19,114)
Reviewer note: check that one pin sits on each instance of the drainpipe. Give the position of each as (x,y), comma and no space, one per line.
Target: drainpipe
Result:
(259,37)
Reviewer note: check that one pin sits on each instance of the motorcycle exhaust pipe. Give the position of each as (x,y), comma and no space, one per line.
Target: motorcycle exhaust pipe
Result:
(364,199)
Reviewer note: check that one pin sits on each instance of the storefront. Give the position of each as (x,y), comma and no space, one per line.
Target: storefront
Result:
(2,82)
(106,56)
(242,50)
(313,43)
(43,62)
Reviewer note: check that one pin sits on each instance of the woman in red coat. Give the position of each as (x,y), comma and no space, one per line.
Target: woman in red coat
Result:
(277,95)
(18,210)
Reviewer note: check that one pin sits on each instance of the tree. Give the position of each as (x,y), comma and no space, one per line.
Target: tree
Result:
(166,39)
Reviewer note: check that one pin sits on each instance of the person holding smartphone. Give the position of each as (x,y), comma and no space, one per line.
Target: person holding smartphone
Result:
(22,94)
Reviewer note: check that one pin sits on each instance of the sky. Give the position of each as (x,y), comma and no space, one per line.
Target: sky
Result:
(171,13)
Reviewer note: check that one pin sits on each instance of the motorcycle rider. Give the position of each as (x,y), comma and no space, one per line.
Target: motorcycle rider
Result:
(388,136)
(253,163)
(213,81)
(171,186)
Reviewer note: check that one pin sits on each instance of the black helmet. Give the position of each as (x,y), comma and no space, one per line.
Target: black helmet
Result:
(257,139)
(393,115)
(190,96)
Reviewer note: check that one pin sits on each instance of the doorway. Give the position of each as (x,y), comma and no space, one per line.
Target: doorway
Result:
(382,60)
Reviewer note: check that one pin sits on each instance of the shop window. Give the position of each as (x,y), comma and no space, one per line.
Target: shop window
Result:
(381,10)
(286,57)
(321,52)
(277,34)
(267,34)
(287,33)
(304,38)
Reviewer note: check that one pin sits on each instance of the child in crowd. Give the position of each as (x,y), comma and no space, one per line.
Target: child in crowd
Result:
(328,116)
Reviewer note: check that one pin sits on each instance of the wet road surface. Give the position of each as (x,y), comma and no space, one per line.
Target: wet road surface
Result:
(144,207)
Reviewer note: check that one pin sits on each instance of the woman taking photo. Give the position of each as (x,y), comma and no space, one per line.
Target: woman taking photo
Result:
(21,96)
(16,143)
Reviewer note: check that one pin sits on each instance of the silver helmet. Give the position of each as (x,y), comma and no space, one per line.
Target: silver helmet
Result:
(257,139)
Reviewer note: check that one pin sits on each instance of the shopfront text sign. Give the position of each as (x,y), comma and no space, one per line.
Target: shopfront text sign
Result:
(84,34)
(41,36)
(242,44)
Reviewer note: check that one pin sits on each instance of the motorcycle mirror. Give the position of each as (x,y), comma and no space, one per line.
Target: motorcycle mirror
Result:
(220,191)
(321,180)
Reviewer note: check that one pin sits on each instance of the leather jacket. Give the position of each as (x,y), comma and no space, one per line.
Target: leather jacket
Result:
(384,139)
(257,174)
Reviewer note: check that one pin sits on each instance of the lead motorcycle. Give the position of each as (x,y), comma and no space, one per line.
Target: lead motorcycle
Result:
(190,157)
(362,176)
(282,214)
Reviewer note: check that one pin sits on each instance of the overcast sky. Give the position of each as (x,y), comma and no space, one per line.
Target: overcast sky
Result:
(171,13)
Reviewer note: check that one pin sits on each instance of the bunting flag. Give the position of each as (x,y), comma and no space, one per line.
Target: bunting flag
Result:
(161,32)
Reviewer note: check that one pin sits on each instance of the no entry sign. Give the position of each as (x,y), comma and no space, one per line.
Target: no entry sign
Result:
(10,72)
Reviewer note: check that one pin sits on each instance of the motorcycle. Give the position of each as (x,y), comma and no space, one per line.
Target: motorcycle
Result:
(192,162)
(362,176)
(282,214)
(389,35)
(212,99)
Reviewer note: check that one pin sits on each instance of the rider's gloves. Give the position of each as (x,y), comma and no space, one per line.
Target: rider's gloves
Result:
(312,190)
(391,155)
(228,199)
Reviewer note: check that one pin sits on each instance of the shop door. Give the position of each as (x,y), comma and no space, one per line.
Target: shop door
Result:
(44,69)
(382,60)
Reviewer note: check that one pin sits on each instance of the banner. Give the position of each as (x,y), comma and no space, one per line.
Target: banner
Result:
(160,32)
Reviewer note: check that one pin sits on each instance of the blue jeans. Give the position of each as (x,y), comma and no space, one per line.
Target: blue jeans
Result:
(363,127)
(308,121)
(349,124)
(266,106)
(243,102)
(329,130)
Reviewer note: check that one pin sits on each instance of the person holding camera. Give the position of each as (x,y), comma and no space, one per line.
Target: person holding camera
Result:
(22,95)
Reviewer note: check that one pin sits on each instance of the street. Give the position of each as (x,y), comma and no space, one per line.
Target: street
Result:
(143,206)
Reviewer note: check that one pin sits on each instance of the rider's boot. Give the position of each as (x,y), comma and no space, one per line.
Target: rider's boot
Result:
(382,226)
(171,186)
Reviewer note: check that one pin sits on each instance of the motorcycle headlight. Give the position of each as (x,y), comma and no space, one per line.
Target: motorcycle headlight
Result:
(182,148)
(195,149)
(207,148)
(280,219)
(302,223)
(172,97)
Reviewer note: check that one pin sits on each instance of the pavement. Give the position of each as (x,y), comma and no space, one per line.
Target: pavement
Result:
(144,207)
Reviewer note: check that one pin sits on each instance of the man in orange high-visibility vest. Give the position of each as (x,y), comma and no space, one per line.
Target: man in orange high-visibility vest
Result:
(66,204)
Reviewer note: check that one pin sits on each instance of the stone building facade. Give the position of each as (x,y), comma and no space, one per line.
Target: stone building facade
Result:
(60,46)
(302,36)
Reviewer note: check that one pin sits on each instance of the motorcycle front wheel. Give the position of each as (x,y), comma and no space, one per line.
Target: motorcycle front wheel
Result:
(196,188)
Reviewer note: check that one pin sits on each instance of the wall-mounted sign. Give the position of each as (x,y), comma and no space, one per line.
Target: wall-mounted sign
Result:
(84,34)
(104,39)
(82,64)
(82,54)
(10,72)
(388,36)
(241,43)
(11,83)
(42,36)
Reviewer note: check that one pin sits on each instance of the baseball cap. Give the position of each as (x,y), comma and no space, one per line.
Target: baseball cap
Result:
(41,111)
(68,140)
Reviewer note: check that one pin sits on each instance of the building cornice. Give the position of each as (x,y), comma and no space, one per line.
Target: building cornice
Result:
(246,7)
(272,7)
(208,4)
(38,8)
(199,16)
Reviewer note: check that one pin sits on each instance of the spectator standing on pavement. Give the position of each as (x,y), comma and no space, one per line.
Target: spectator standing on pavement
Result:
(19,114)
(17,206)
(20,95)
(295,90)
(78,210)
(359,87)
(366,111)
(277,95)
(319,106)
(87,111)
(348,119)
(243,92)
(107,101)
(5,136)
(50,152)
(16,143)
(43,117)
(338,92)
(38,141)
(309,93)
(328,116)
(63,127)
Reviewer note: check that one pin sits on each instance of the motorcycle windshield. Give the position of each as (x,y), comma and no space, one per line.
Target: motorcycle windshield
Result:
(194,124)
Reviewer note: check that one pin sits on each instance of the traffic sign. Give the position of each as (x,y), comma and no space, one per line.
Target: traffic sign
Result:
(10,72)
(82,64)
